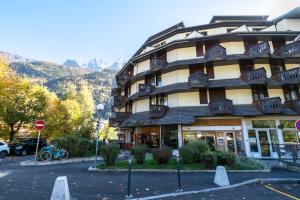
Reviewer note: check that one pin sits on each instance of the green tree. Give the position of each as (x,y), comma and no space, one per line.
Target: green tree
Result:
(108,133)
(20,104)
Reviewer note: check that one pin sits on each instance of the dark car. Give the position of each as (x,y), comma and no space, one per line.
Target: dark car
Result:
(25,146)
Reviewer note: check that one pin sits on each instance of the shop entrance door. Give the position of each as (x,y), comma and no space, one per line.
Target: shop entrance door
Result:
(266,139)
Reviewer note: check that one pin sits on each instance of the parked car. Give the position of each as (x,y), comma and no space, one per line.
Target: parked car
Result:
(4,150)
(25,146)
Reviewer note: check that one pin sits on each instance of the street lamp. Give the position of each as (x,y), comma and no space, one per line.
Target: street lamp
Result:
(100,122)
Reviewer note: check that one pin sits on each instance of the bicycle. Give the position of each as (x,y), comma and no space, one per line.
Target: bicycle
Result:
(50,151)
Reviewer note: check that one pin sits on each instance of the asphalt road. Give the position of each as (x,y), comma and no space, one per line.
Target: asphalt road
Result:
(36,183)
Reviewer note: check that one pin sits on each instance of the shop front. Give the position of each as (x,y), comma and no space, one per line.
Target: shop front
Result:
(264,135)
(149,135)
(220,134)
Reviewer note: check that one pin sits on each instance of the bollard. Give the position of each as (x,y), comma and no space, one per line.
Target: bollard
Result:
(178,176)
(129,195)
(60,189)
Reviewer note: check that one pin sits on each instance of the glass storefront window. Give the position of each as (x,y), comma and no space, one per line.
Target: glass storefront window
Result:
(274,139)
(263,124)
(288,123)
(239,143)
(290,136)
(169,136)
(252,141)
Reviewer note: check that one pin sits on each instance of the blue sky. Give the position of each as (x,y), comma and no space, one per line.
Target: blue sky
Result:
(55,30)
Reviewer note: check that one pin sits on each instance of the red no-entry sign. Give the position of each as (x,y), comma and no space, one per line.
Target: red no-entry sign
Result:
(39,125)
(297,124)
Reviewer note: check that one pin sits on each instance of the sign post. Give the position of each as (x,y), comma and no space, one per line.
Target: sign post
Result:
(39,125)
(297,124)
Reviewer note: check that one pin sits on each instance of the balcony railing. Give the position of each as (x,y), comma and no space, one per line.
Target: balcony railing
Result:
(269,105)
(198,79)
(119,100)
(119,119)
(145,89)
(294,104)
(124,78)
(116,92)
(289,50)
(215,52)
(257,76)
(291,76)
(222,106)
(158,111)
(260,49)
(157,63)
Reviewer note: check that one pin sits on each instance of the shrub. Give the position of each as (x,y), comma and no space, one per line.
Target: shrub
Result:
(109,153)
(248,163)
(200,147)
(225,158)
(139,153)
(209,159)
(187,153)
(76,145)
(162,155)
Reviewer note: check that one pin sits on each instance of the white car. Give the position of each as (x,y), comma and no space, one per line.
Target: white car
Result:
(4,150)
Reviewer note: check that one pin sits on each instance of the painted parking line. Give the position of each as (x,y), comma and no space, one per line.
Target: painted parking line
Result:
(282,193)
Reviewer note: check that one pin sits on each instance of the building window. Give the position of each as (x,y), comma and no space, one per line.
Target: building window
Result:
(291,93)
(252,141)
(196,68)
(204,33)
(278,42)
(277,65)
(217,94)
(199,49)
(169,136)
(259,92)
(210,70)
(263,124)
(159,100)
(158,82)
(154,80)
(203,96)
(246,65)
(248,42)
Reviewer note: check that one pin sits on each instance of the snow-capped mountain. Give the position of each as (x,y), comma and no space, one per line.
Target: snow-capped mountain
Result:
(96,64)
(118,64)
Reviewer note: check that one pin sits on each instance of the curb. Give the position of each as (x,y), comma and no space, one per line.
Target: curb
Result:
(54,162)
(252,181)
(91,168)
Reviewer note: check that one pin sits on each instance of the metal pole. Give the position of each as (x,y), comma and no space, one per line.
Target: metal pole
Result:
(178,176)
(96,154)
(129,195)
(37,146)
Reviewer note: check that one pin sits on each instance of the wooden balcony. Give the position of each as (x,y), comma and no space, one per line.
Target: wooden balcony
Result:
(289,50)
(157,63)
(116,92)
(291,76)
(269,105)
(253,77)
(216,52)
(258,50)
(198,80)
(119,100)
(119,119)
(158,111)
(124,78)
(294,104)
(145,89)
(222,106)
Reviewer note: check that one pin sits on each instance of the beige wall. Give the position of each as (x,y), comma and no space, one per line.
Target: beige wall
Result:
(288,24)
(276,93)
(184,99)
(140,106)
(291,66)
(266,66)
(175,77)
(135,86)
(239,96)
(227,71)
(181,54)
(219,30)
(141,67)
(233,47)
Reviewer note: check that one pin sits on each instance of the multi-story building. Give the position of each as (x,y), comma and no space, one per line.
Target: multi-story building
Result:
(233,82)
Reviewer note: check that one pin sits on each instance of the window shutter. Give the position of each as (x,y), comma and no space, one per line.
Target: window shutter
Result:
(199,49)
(210,70)
(246,65)
(203,95)
(216,94)
(196,68)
